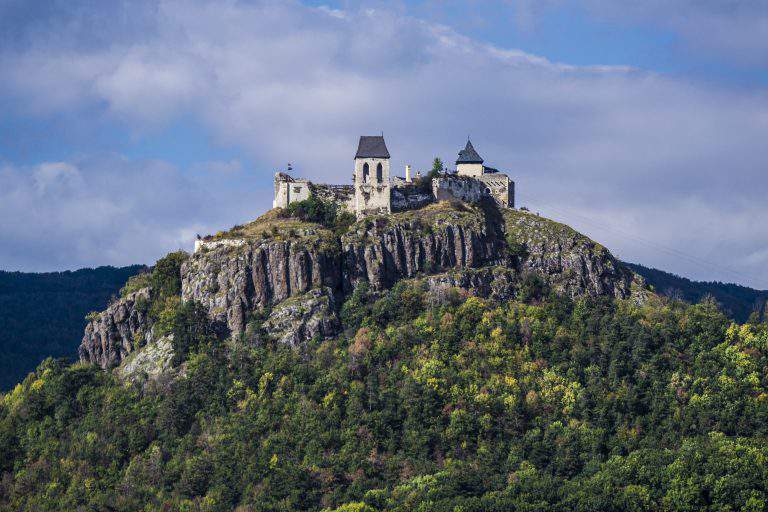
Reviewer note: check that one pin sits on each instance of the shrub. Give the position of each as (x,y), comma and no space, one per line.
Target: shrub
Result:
(517,249)
(135,283)
(165,311)
(314,210)
(532,288)
(165,279)
(192,330)
(325,213)
(357,306)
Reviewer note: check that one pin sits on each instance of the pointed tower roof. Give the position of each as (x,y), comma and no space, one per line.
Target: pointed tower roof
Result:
(372,146)
(468,155)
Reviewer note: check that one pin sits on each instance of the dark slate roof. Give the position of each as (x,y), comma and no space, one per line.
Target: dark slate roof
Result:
(468,155)
(372,146)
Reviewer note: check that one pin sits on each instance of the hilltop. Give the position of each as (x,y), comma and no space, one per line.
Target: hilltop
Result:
(450,358)
(290,275)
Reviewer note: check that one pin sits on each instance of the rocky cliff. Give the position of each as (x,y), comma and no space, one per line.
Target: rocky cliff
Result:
(277,261)
(116,332)
(434,239)
(290,277)
(270,266)
(570,262)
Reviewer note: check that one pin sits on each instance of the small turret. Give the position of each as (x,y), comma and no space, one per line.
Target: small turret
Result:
(469,163)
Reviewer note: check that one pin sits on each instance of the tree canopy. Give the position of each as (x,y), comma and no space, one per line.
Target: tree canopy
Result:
(428,402)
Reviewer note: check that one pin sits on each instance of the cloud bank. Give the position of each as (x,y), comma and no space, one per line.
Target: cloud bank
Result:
(617,152)
(735,29)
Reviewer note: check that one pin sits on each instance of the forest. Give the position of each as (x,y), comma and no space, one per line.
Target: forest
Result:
(738,302)
(428,401)
(43,314)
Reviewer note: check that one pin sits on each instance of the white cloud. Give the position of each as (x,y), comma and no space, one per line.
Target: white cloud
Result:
(108,210)
(55,177)
(670,160)
(737,30)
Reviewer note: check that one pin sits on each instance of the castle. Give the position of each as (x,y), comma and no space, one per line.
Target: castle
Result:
(374,192)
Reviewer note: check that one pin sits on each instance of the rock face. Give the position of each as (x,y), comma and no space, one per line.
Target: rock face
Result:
(299,273)
(384,252)
(119,330)
(149,363)
(496,283)
(233,282)
(570,262)
(303,318)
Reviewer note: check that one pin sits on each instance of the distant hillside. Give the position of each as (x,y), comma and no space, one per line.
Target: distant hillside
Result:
(738,301)
(43,315)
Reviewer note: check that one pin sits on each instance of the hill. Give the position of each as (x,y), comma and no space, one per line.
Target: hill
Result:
(43,314)
(455,358)
(737,301)
(291,272)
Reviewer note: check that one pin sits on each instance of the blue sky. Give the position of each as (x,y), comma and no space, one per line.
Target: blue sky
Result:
(128,127)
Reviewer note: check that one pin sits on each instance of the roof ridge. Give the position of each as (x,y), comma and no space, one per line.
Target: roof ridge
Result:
(469,155)
(372,146)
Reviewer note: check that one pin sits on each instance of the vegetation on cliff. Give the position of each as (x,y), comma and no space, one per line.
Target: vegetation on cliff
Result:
(426,401)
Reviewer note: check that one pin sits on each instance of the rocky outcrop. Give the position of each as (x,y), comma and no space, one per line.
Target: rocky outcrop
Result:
(116,332)
(232,282)
(570,262)
(299,273)
(235,280)
(495,283)
(300,319)
(149,363)
(384,252)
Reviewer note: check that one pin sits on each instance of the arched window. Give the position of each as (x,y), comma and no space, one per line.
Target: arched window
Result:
(366,173)
(379,173)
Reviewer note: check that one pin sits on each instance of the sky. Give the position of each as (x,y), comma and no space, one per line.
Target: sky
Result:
(128,127)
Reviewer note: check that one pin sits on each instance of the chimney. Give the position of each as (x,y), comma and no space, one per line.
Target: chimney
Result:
(408,174)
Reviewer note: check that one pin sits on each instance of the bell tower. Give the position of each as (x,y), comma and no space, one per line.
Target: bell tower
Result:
(371,178)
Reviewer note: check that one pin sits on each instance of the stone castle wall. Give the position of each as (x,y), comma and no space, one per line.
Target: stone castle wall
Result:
(343,195)
(374,197)
(372,186)
(500,187)
(289,190)
(473,189)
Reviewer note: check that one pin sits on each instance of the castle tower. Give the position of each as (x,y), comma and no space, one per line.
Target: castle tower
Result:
(372,186)
(469,163)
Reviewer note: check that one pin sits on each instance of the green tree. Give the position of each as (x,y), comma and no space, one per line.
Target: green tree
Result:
(437,166)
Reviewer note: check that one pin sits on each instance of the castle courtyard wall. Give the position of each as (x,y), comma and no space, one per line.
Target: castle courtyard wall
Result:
(288,190)
(466,189)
